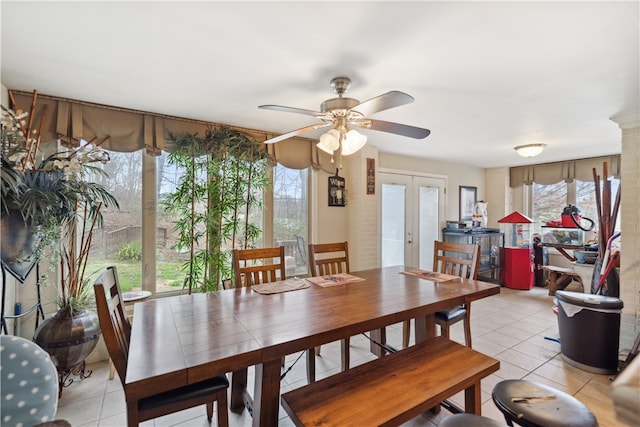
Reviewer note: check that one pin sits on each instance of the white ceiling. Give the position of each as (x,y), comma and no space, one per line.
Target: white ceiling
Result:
(486,76)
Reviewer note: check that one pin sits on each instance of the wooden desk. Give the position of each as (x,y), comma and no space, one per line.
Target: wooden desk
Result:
(180,340)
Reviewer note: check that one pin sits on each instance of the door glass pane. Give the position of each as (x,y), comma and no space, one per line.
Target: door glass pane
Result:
(393,224)
(428,220)
(290,217)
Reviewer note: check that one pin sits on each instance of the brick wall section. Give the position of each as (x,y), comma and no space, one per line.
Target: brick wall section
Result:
(363,214)
(630,243)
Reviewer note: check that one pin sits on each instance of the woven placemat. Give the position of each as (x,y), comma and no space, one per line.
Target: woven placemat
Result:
(280,286)
(334,279)
(430,275)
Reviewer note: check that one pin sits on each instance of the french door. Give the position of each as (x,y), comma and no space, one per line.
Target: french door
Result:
(411,213)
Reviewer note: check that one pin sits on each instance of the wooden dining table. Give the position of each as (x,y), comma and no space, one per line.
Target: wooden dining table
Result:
(184,339)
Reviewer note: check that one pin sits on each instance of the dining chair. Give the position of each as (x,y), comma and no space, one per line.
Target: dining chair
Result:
(29,392)
(326,259)
(455,259)
(265,265)
(258,265)
(116,331)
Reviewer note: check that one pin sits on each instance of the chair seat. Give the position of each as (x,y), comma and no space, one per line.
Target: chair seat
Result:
(561,410)
(452,314)
(469,420)
(183,394)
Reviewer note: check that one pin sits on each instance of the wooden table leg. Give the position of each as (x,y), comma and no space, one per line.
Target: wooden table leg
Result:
(425,327)
(379,335)
(473,399)
(238,389)
(266,398)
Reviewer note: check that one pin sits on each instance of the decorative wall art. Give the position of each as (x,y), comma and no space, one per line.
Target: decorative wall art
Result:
(371,176)
(336,190)
(467,202)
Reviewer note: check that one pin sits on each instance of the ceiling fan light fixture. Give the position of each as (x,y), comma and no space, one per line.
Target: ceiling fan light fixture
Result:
(330,141)
(529,150)
(353,142)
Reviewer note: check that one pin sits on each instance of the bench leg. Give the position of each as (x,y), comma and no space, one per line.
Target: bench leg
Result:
(553,276)
(473,399)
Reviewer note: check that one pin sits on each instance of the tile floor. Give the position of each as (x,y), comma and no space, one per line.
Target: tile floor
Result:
(511,327)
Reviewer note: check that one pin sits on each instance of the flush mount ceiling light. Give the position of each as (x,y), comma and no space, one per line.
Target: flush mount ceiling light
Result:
(530,150)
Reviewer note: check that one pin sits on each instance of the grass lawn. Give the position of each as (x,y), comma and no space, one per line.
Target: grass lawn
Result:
(169,275)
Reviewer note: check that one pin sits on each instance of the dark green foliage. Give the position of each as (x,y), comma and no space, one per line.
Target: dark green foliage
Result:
(130,252)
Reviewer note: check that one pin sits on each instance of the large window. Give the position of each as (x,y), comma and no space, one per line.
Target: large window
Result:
(169,258)
(119,241)
(548,201)
(290,216)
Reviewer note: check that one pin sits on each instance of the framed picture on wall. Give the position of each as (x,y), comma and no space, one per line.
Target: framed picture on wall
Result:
(467,201)
(337,190)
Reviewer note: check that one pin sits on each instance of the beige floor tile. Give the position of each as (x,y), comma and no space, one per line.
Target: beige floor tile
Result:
(507,341)
(535,347)
(487,347)
(571,379)
(510,371)
(520,359)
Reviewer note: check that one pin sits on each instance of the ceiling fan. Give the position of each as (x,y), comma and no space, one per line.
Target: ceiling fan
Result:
(343,114)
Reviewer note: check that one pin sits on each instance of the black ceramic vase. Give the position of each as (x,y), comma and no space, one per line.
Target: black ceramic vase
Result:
(18,242)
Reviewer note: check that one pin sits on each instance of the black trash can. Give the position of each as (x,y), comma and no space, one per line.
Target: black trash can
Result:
(589,328)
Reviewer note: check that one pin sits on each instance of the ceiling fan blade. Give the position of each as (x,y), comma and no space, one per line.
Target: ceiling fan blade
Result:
(296,132)
(292,110)
(397,128)
(383,102)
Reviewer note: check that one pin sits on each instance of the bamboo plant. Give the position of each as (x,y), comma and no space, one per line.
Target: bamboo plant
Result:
(225,174)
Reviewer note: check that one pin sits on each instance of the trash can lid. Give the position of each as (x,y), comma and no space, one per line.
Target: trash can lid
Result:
(589,300)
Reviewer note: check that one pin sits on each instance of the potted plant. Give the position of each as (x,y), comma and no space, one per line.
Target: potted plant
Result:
(47,194)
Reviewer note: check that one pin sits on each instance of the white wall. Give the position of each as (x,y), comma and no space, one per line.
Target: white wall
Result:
(457,174)
(497,191)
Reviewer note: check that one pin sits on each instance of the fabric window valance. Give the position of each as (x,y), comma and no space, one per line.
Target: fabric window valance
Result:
(126,130)
(567,171)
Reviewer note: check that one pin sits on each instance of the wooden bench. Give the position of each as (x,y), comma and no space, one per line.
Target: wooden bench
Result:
(560,278)
(393,389)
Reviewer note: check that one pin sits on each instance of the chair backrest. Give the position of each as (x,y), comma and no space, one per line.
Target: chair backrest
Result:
(116,329)
(328,258)
(256,266)
(29,392)
(456,259)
